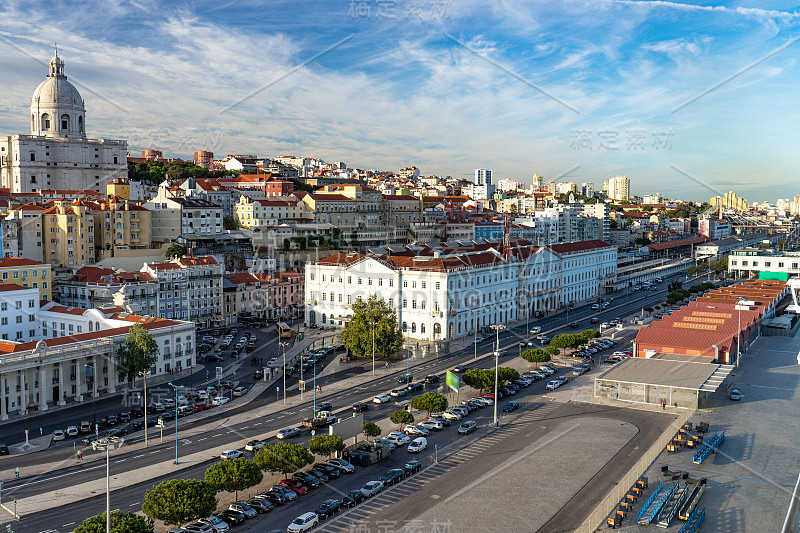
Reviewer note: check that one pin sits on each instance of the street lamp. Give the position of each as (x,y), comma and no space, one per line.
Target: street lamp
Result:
(283,345)
(144,374)
(176,387)
(497,328)
(109,445)
(373,324)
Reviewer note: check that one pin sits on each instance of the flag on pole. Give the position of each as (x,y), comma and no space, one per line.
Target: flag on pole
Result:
(452,381)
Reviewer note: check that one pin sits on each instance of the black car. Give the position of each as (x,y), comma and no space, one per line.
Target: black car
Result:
(325,406)
(573,324)
(116,433)
(306,479)
(390,477)
(273,497)
(168,416)
(137,412)
(213,357)
(319,474)
(360,406)
(353,498)
(87,440)
(111,420)
(262,505)
(3,449)
(258,375)
(124,417)
(329,470)
(433,378)
(412,467)
(328,508)
(408,378)
(232,518)
(511,406)
(413,387)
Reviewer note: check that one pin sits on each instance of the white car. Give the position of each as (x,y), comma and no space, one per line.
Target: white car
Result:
(59,435)
(401,438)
(287,433)
(202,395)
(304,522)
(372,488)
(431,424)
(486,401)
(398,392)
(388,443)
(382,398)
(219,525)
(168,402)
(231,454)
(417,445)
(220,400)
(535,330)
(239,391)
(254,445)
(605,325)
(553,385)
(451,415)
(72,431)
(412,429)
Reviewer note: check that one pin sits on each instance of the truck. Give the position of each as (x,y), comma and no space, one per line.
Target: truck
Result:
(323,418)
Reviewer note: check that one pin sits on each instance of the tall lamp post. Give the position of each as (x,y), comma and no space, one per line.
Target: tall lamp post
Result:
(373,324)
(283,346)
(109,445)
(144,374)
(497,328)
(176,387)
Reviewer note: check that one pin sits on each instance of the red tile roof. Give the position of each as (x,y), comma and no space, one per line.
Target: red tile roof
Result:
(13,287)
(580,246)
(6,262)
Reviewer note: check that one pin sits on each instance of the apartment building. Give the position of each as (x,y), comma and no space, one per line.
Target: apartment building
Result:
(189,288)
(285,293)
(18,312)
(28,220)
(243,292)
(256,215)
(588,269)
(93,286)
(346,206)
(119,225)
(68,229)
(175,216)
(401,211)
(28,274)
(617,188)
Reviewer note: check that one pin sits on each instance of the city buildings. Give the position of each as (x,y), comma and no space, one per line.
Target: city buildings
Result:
(93,286)
(617,188)
(174,216)
(27,273)
(189,288)
(587,268)
(203,158)
(729,200)
(57,154)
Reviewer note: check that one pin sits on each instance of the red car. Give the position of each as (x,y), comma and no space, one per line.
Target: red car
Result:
(489,395)
(294,485)
(201,407)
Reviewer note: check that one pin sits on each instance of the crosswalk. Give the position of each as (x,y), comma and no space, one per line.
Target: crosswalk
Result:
(468,450)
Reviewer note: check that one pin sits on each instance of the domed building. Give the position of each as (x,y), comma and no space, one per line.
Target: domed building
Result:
(57,154)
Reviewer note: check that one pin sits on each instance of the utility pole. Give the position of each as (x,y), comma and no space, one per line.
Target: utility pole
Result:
(497,328)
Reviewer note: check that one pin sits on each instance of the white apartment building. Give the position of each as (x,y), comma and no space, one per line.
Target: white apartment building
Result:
(19,307)
(586,268)
(436,297)
(175,216)
(75,356)
(750,262)
(539,280)
(617,188)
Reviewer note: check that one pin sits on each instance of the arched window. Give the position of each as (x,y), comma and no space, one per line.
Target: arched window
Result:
(90,325)
(65,122)
(405,326)
(323,318)
(451,330)
(45,122)
(437,330)
(33,123)
(413,327)
(422,328)
(97,326)
(80,124)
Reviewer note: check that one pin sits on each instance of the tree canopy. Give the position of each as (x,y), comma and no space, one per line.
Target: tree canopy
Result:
(138,353)
(175,250)
(233,475)
(483,378)
(229,223)
(371,429)
(536,355)
(158,171)
(432,402)
(120,523)
(357,336)
(401,417)
(283,458)
(177,501)
(326,444)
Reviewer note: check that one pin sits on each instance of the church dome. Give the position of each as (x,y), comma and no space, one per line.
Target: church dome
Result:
(57,108)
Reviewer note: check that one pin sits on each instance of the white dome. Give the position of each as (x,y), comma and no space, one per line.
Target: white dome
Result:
(56,92)
(56,105)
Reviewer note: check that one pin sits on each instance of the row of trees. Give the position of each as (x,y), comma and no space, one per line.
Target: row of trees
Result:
(483,378)
(681,294)
(573,340)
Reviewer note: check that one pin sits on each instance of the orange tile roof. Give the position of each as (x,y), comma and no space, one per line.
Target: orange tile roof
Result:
(6,262)
(580,246)
(13,287)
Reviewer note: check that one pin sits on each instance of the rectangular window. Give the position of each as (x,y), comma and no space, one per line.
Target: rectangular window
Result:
(422,304)
(413,304)
(437,285)
(422,284)
(380,282)
(391,302)
(4,321)
(391,283)
(405,303)
(19,319)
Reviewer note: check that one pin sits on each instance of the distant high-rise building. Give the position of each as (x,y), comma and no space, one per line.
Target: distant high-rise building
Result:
(203,158)
(483,176)
(617,188)
(551,187)
(483,188)
(538,182)
(152,155)
(729,200)
(587,189)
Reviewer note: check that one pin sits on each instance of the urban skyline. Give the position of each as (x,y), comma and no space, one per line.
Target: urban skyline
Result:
(685,99)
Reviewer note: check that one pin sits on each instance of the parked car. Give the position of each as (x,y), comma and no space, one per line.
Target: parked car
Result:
(390,477)
(330,471)
(342,465)
(328,508)
(415,430)
(304,522)
(59,435)
(286,491)
(553,385)
(319,474)
(452,415)
(398,439)
(352,498)
(231,517)
(417,445)
(262,505)
(467,427)
(511,406)
(294,485)
(217,524)
(734,394)
(430,424)
(243,508)
(412,467)
(371,488)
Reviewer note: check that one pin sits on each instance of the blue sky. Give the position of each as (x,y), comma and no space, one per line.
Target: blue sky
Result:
(685,99)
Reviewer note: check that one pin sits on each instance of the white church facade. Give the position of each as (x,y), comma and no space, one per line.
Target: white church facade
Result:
(57,154)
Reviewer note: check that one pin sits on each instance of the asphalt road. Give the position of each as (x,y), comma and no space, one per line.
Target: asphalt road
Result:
(74,474)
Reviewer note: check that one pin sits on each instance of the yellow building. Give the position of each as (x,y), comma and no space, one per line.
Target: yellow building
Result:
(255,214)
(28,273)
(68,234)
(119,187)
(730,200)
(119,225)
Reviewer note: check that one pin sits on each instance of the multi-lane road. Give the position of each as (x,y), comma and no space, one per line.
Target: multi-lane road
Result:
(128,498)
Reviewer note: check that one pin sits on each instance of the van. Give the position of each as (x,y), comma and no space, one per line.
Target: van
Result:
(185,410)
(85,427)
(405,404)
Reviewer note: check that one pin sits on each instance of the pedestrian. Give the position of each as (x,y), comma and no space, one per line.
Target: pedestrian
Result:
(17,472)
(80,455)
(41,432)
(386,366)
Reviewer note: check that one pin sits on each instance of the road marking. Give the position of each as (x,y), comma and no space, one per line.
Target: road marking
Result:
(200,440)
(136,457)
(257,424)
(156,451)
(768,387)
(66,525)
(217,435)
(244,427)
(121,461)
(134,504)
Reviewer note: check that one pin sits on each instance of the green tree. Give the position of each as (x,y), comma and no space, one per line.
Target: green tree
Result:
(229,223)
(432,402)
(536,355)
(552,350)
(176,250)
(612,224)
(401,417)
(479,378)
(371,429)
(721,264)
(177,501)
(629,221)
(283,458)
(587,334)
(233,475)
(326,444)
(137,354)
(562,341)
(357,336)
(513,210)
(505,374)
(120,523)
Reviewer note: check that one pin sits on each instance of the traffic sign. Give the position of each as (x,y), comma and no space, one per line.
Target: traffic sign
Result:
(219,372)
(302,385)
(313,432)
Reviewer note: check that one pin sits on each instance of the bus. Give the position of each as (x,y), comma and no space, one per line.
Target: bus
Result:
(284,331)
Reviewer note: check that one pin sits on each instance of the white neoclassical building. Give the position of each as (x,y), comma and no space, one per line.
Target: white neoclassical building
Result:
(57,153)
(588,269)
